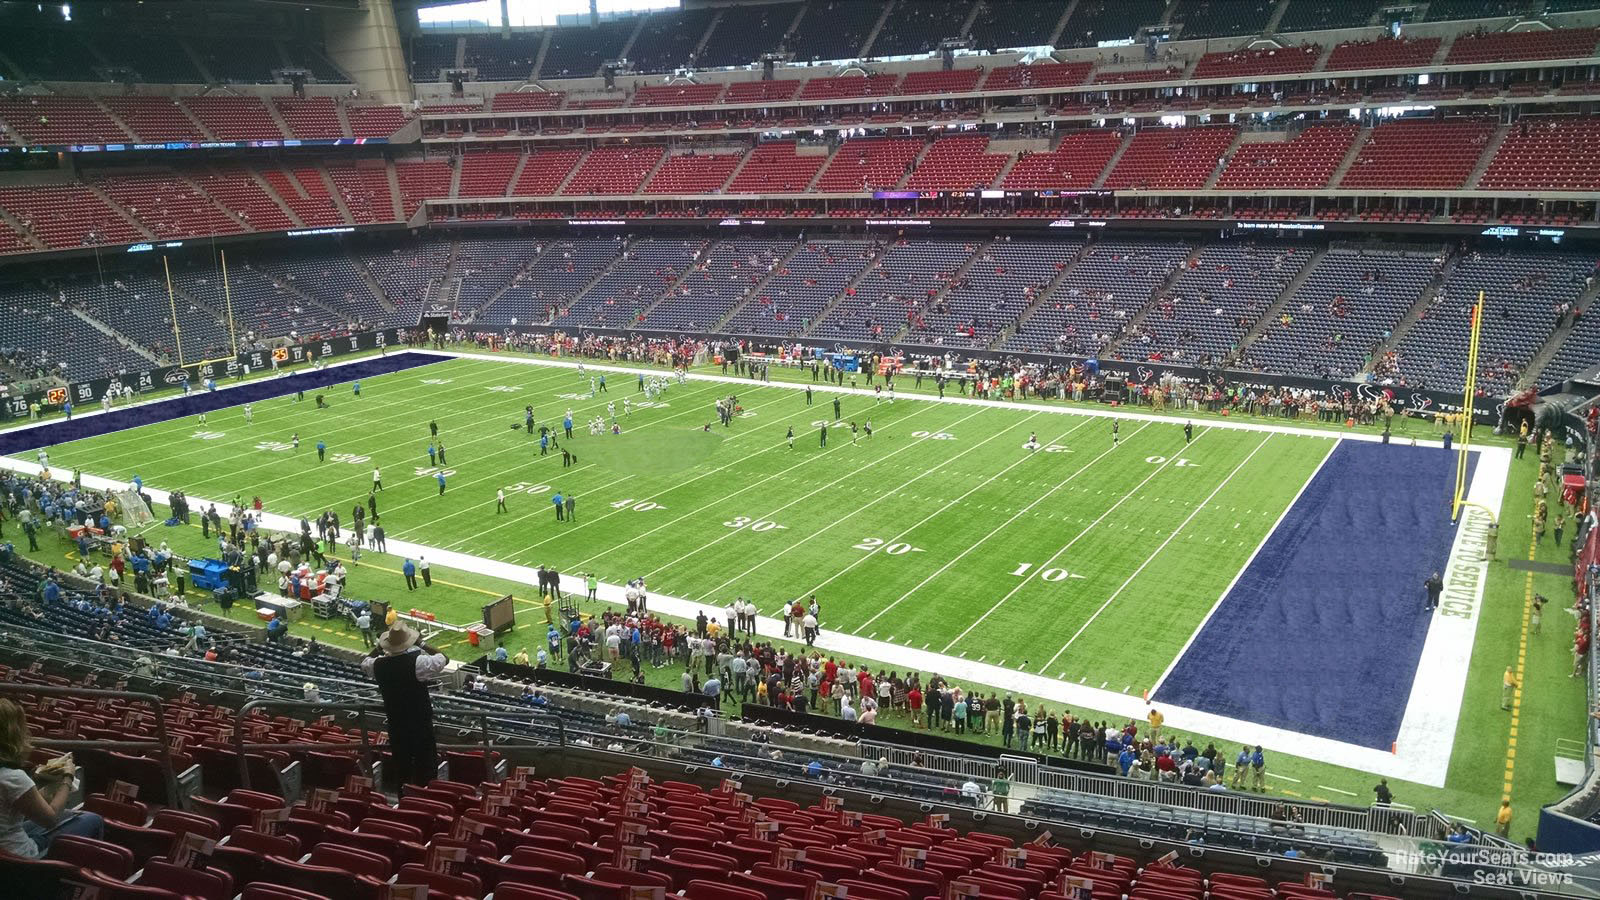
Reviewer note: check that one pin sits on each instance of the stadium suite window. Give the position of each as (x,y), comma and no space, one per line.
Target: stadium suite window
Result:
(532,13)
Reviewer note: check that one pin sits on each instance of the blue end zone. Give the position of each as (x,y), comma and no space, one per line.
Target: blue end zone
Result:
(1322,633)
(62,431)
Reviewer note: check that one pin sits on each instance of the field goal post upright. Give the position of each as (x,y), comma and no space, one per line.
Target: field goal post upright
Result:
(1458,499)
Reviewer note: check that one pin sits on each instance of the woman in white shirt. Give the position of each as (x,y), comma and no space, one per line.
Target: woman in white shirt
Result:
(31,806)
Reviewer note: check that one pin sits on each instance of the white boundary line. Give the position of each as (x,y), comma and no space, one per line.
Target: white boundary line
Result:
(1153,554)
(1068,545)
(1242,569)
(1121,412)
(1424,761)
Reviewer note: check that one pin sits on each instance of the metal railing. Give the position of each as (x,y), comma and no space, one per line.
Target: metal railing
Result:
(160,745)
(488,738)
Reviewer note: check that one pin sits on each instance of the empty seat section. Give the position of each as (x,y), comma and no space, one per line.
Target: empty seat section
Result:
(1525,289)
(849,87)
(1308,160)
(668,38)
(1219,18)
(486,266)
(363,185)
(798,292)
(1075,163)
(1003,280)
(772,91)
(376,121)
(56,120)
(577,51)
(409,276)
(66,215)
(330,277)
(235,118)
(234,188)
(687,94)
(303,191)
(487,174)
(544,171)
(1171,158)
(168,206)
(916,28)
(154,119)
(777,167)
(498,57)
(1265,63)
(1346,305)
(314,118)
(1015,23)
(614,170)
(1509,46)
(693,174)
(832,29)
(555,279)
(1096,299)
(431,56)
(1093,21)
(642,274)
(1042,74)
(1214,302)
(906,277)
(730,270)
(957,164)
(1387,53)
(745,32)
(953,81)
(867,164)
(527,101)
(1420,153)
(1552,154)
(1325,15)
(1580,351)
(421,180)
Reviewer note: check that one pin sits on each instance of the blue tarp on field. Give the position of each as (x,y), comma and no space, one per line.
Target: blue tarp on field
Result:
(60,431)
(1322,633)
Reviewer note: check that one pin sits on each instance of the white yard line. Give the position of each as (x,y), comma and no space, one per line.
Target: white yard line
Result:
(931,516)
(370,405)
(1421,761)
(567,472)
(1153,554)
(1068,545)
(1242,569)
(1121,412)
(911,445)
(994,531)
(891,492)
(603,516)
(1422,755)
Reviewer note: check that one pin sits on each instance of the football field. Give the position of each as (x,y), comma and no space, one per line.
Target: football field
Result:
(1263,582)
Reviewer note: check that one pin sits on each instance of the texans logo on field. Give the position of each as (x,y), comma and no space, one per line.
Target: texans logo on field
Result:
(1146,374)
(176,376)
(1421,401)
(1368,391)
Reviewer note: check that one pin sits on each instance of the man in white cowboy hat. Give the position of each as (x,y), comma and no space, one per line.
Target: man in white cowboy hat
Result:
(403,667)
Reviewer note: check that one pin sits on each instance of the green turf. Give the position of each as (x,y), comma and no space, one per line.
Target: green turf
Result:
(914,536)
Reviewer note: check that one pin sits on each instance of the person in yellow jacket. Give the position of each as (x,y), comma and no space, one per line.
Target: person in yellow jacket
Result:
(1502,819)
(1508,688)
(1156,721)
(392,615)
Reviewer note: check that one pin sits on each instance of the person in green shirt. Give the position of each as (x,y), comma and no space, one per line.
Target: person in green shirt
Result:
(591,583)
(1001,789)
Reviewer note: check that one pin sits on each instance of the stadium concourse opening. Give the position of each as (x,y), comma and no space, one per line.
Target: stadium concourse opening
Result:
(1008,449)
